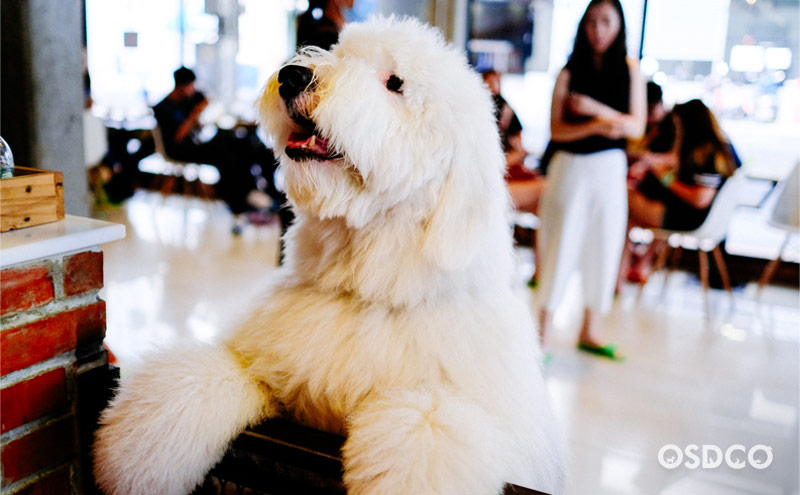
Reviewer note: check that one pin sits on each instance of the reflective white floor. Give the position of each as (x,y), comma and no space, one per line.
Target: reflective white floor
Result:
(180,273)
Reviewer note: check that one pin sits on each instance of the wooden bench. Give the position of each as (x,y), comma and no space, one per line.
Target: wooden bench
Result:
(279,457)
(276,457)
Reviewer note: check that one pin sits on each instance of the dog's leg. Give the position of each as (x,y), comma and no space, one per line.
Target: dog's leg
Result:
(172,421)
(424,442)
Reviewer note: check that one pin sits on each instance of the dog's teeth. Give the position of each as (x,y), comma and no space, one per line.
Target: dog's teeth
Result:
(313,141)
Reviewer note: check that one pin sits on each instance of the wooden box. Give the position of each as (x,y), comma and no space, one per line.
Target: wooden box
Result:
(31,197)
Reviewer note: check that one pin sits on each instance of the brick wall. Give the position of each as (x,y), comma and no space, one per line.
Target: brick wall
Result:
(52,324)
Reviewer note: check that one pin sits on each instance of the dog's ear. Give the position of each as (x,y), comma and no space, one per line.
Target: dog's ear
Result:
(468,203)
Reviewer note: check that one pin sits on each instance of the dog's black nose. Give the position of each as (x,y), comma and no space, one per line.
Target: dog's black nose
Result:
(294,79)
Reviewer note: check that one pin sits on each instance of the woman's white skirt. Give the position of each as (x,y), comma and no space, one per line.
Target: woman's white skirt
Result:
(584,214)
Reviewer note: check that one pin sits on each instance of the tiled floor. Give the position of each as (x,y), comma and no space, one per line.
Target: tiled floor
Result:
(732,380)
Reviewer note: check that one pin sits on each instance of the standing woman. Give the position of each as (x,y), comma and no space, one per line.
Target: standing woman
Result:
(598,103)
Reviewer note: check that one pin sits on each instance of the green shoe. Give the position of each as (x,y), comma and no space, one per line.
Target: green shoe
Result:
(608,351)
(547,358)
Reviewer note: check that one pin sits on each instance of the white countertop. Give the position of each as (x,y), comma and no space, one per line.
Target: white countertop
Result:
(71,234)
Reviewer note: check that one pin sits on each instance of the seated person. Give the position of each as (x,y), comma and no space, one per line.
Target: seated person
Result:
(674,189)
(524,186)
(655,106)
(321,23)
(238,153)
(654,138)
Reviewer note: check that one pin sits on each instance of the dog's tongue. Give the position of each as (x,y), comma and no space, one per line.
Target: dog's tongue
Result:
(311,142)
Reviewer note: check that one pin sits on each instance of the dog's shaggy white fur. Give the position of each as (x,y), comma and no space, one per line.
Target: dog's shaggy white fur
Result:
(394,321)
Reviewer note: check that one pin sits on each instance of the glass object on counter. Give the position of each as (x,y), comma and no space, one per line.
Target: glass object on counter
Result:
(6,160)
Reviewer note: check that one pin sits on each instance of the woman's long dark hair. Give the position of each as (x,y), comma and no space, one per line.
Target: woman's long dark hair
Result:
(701,129)
(614,59)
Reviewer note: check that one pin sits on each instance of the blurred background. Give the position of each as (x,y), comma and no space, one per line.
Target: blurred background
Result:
(739,56)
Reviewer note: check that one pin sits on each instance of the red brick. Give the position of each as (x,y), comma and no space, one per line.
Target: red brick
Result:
(91,323)
(40,396)
(38,450)
(25,288)
(83,272)
(56,483)
(37,341)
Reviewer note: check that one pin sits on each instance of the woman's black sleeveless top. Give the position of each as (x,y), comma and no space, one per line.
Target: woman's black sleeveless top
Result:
(609,87)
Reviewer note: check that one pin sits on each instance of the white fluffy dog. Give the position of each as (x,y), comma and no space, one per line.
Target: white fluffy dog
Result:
(394,321)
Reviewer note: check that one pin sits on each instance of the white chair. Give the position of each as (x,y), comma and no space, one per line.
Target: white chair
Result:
(187,174)
(785,215)
(525,220)
(95,147)
(95,139)
(705,238)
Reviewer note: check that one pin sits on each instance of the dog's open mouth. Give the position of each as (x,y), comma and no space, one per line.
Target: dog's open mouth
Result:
(306,144)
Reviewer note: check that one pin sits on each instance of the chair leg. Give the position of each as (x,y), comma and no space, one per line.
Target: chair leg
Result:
(536,259)
(661,259)
(673,264)
(624,265)
(676,254)
(660,254)
(157,182)
(769,271)
(168,185)
(199,189)
(723,269)
(185,187)
(208,191)
(703,255)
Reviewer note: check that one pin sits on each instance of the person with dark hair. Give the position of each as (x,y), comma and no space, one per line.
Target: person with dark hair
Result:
(658,135)
(655,106)
(678,186)
(237,153)
(321,23)
(598,103)
(524,185)
(178,116)
(673,188)
(508,123)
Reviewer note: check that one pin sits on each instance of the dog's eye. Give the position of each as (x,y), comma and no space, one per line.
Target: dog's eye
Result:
(395,84)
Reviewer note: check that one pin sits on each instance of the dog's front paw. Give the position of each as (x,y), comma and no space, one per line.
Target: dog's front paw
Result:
(172,421)
(421,442)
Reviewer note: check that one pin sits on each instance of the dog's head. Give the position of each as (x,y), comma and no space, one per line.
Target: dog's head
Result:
(392,121)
